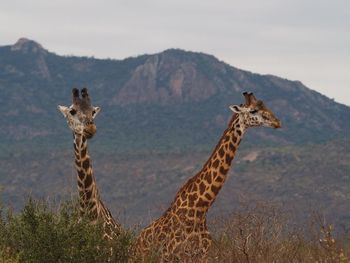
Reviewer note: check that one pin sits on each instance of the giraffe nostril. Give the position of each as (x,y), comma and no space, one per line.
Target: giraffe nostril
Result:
(88,135)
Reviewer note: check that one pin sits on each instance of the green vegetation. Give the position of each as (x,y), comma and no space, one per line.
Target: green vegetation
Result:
(43,232)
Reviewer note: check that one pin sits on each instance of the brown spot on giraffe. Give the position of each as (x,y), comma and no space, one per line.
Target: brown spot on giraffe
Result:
(86,164)
(88,181)
(188,239)
(202,188)
(81,174)
(221,152)
(192,198)
(216,163)
(227,138)
(202,203)
(228,159)
(208,177)
(234,140)
(222,170)
(208,196)
(215,189)
(219,179)
(83,153)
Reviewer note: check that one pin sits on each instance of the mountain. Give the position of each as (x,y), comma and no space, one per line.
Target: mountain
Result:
(161,116)
(154,93)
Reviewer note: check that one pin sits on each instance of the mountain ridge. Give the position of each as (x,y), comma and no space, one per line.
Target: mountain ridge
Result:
(170,81)
(24,45)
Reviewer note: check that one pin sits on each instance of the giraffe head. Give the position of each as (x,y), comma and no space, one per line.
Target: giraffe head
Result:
(254,113)
(81,114)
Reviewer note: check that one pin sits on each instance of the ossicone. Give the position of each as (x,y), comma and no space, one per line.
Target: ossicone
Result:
(249,98)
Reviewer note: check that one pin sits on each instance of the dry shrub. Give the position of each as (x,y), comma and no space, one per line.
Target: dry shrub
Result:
(267,233)
(326,246)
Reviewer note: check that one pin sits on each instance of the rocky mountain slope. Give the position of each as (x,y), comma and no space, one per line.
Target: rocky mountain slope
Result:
(153,93)
(161,116)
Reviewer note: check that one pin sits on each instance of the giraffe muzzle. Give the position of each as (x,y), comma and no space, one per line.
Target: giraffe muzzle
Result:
(90,131)
(277,124)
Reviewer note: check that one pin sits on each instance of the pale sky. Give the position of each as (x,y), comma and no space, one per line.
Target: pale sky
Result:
(295,39)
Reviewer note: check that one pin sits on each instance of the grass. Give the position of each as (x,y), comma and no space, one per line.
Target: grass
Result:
(44,232)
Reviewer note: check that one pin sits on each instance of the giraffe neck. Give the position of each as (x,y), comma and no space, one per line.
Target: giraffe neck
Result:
(198,194)
(88,193)
(90,203)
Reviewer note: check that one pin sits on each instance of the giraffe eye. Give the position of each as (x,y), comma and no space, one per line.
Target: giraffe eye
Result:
(72,112)
(253,111)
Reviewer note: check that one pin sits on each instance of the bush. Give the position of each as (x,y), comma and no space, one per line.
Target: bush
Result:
(41,233)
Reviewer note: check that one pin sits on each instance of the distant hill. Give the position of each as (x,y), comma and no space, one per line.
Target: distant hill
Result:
(144,98)
(157,109)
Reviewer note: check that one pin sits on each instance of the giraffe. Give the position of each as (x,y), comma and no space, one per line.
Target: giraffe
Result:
(181,234)
(80,118)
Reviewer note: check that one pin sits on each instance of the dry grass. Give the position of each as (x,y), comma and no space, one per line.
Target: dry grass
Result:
(265,233)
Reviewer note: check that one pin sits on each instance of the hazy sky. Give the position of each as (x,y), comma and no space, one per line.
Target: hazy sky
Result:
(295,39)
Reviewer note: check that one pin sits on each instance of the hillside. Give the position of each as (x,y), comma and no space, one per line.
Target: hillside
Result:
(167,108)
(153,94)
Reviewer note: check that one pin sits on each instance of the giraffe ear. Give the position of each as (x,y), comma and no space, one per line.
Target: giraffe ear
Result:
(63,109)
(95,111)
(236,108)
